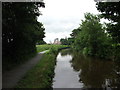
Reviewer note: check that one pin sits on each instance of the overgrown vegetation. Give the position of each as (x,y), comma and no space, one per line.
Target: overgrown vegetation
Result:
(111,11)
(96,39)
(41,75)
(66,41)
(92,39)
(20,32)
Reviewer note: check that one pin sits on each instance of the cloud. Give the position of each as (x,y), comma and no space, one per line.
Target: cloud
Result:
(60,17)
(60,24)
(51,36)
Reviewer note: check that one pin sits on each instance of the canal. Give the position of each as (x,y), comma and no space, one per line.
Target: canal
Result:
(74,70)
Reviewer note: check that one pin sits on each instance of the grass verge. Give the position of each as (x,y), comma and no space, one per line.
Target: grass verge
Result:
(46,47)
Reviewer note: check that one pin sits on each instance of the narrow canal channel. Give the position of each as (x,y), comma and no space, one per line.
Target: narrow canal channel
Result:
(74,70)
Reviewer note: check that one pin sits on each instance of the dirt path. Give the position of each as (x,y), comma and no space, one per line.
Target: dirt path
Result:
(10,78)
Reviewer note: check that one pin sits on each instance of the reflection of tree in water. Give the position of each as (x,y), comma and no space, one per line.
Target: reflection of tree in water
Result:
(66,52)
(117,72)
(94,72)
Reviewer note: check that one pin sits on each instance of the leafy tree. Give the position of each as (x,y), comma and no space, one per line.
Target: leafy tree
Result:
(74,35)
(92,39)
(41,42)
(21,30)
(111,11)
(70,41)
(64,41)
(75,32)
(67,41)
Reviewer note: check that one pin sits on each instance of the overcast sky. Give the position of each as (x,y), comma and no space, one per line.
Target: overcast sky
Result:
(60,17)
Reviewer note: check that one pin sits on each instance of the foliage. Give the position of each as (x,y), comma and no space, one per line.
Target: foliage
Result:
(21,31)
(41,42)
(75,32)
(92,39)
(66,41)
(70,41)
(111,11)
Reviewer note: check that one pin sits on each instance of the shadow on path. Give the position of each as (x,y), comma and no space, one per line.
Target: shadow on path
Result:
(10,78)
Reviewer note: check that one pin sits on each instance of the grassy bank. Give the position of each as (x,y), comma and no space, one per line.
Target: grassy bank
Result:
(41,75)
(46,47)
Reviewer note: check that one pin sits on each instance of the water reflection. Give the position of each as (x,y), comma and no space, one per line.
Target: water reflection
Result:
(65,76)
(90,72)
(66,52)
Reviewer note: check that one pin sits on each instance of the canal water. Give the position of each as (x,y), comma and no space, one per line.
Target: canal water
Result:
(74,70)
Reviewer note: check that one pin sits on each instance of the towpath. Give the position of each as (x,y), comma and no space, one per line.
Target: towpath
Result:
(10,78)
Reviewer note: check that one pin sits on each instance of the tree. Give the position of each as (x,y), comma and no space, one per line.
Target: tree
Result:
(67,41)
(75,32)
(21,30)
(41,42)
(64,41)
(70,41)
(111,11)
(92,39)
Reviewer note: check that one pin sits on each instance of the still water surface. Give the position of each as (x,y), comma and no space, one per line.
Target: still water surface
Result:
(74,70)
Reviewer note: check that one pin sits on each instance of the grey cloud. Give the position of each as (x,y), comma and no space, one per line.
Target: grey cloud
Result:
(53,24)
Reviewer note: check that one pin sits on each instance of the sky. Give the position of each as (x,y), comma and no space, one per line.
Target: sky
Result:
(60,17)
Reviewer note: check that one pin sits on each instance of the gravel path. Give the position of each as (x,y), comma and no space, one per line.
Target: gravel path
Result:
(10,78)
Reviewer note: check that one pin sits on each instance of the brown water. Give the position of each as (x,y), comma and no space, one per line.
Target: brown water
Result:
(74,70)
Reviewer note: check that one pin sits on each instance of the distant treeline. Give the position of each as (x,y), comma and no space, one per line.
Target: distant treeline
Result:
(96,39)
(20,31)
